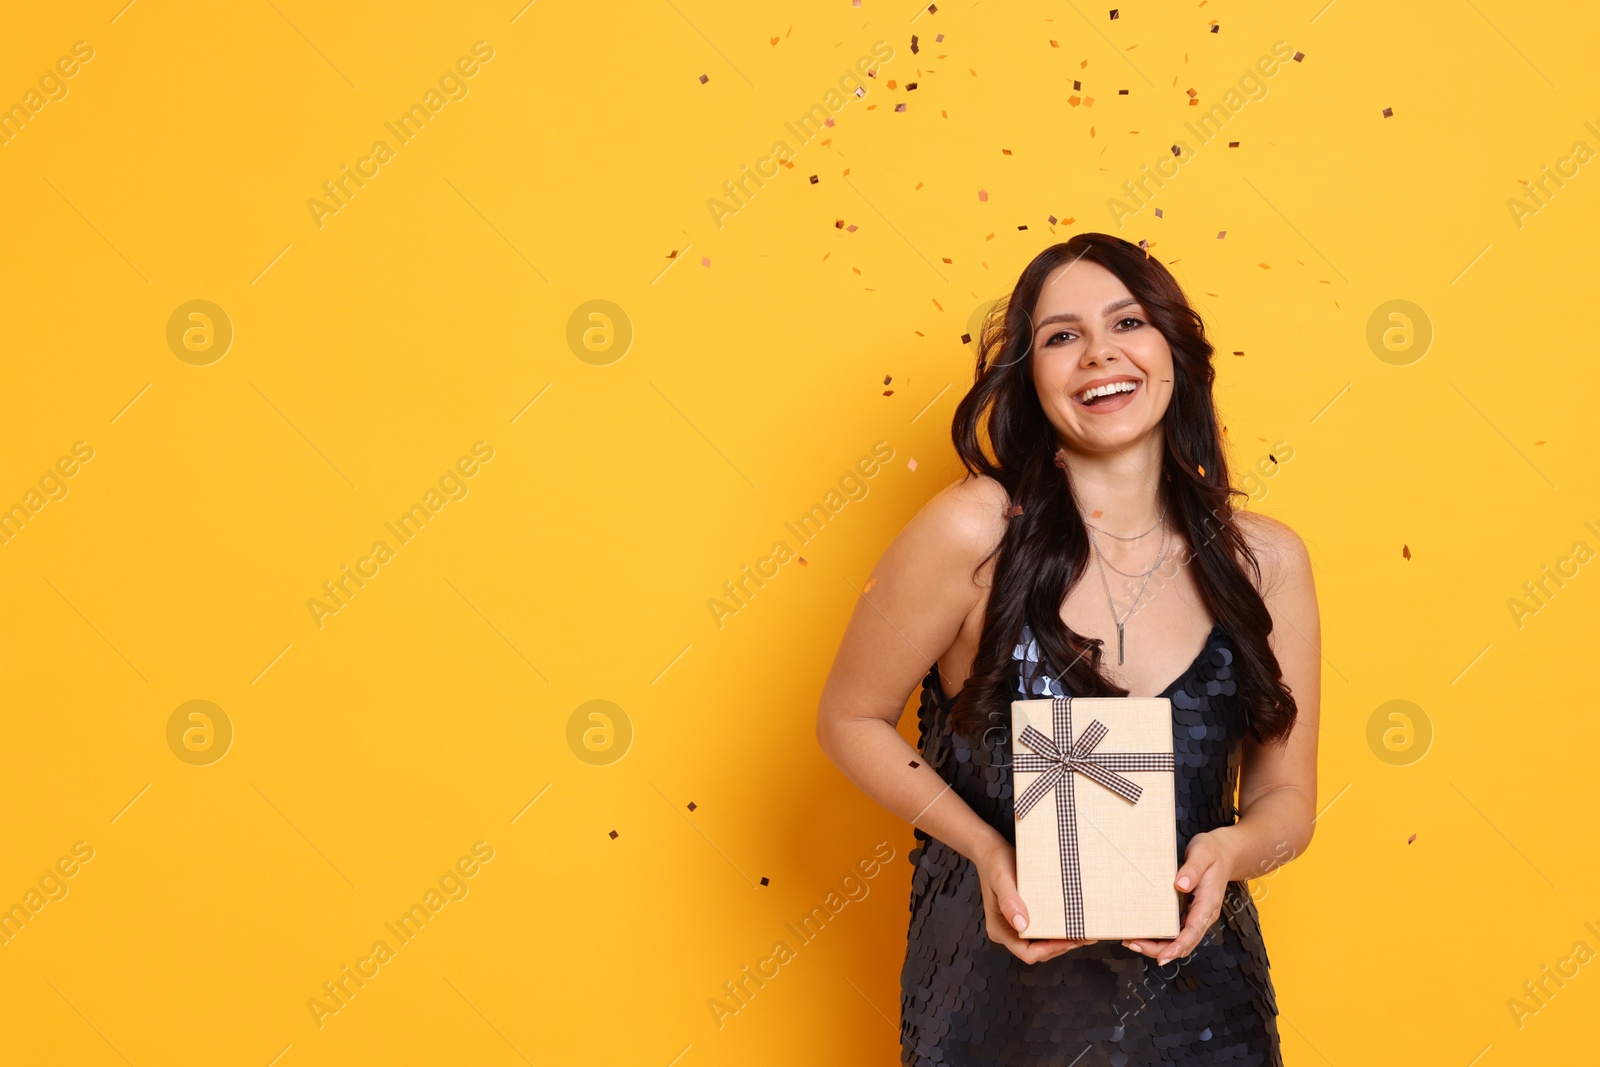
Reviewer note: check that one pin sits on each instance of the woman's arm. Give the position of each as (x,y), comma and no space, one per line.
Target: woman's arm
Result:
(914,604)
(1277,782)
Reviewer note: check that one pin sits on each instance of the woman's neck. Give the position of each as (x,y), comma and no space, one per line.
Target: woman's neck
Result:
(1123,485)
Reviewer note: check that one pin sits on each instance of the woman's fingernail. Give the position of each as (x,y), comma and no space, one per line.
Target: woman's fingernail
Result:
(1183,883)
(1019,922)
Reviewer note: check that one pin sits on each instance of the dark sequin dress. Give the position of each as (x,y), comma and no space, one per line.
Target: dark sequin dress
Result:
(966,1001)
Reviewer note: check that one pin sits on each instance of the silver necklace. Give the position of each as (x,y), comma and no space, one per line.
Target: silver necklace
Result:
(1130,537)
(1106,582)
(1161,552)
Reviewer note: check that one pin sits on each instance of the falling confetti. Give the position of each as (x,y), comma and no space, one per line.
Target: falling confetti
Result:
(764,880)
(1299,56)
(868,587)
(912,465)
(802,560)
(914,763)
(1405,551)
(1013,511)
(704,78)
(1201,469)
(705,261)
(983,195)
(887,378)
(1388,111)
(691,805)
(613,835)
(1410,839)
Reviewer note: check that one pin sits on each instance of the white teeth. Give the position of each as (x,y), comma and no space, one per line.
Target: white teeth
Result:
(1107,390)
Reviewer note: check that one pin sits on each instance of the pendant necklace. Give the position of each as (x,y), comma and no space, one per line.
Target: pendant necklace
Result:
(1106,582)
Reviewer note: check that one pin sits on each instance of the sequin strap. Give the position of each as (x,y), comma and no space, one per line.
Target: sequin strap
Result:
(1055,768)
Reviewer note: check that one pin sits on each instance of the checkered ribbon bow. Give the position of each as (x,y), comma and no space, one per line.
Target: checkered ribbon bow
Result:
(1055,768)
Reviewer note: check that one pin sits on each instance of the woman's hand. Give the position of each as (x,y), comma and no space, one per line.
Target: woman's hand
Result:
(1004,914)
(1206,863)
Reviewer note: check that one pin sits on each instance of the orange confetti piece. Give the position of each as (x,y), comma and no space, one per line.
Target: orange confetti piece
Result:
(802,560)
(1405,550)
(868,587)
(1410,839)
(887,378)
(1201,469)
(1096,515)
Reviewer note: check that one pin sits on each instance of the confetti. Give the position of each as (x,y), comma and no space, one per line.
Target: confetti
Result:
(914,763)
(1405,551)
(1215,28)
(704,78)
(913,44)
(1233,144)
(911,464)
(1201,469)
(1238,353)
(1013,511)
(705,261)
(691,805)
(613,835)
(939,38)
(764,880)
(899,107)
(1158,214)
(888,392)
(802,560)
(983,195)
(1221,234)
(966,338)
(868,587)
(1298,56)
(1388,111)
(1113,12)
(1410,839)
(887,378)
(1096,514)
(815,180)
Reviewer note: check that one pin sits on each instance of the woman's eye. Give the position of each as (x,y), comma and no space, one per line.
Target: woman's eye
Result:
(1052,339)
(1130,318)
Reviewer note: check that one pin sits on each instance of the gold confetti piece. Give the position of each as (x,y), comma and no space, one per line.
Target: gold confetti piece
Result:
(1201,469)
(1405,550)
(1410,839)
(936,303)
(868,587)
(1538,442)
(1263,266)
(802,560)
(1238,353)
(912,464)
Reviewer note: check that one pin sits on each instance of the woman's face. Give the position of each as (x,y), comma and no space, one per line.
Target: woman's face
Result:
(1088,332)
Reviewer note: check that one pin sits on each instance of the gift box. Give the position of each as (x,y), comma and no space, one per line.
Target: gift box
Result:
(1096,826)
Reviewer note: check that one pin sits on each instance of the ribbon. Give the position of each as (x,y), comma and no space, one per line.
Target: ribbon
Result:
(1056,767)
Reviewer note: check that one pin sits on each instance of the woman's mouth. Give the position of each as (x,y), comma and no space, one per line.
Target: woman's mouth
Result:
(1104,399)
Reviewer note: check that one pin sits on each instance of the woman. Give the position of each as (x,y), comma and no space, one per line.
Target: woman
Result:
(1090,551)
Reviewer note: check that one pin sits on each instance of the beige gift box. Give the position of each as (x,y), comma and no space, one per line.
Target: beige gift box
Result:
(1096,826)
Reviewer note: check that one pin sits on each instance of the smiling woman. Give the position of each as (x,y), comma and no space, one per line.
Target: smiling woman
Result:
(1093,449)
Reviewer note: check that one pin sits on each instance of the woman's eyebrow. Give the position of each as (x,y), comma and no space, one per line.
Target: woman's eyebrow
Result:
(1072,316)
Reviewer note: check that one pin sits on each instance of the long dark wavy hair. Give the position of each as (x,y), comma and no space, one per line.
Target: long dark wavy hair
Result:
(1045,549)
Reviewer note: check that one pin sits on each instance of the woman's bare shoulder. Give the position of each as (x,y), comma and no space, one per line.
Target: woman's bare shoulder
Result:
(967,518)
(1280,551)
